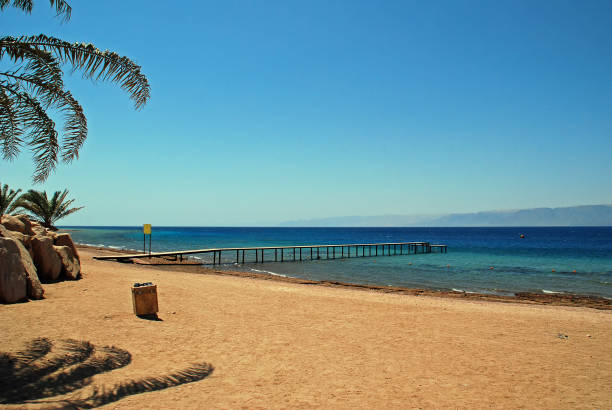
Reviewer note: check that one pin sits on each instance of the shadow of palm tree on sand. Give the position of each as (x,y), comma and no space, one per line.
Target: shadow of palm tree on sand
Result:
(42,371)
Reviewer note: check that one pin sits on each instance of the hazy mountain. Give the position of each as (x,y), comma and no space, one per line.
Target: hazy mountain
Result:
(586,215)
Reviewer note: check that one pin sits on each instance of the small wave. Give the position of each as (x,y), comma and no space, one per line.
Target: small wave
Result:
(462,291)
(268,272)
(550,292)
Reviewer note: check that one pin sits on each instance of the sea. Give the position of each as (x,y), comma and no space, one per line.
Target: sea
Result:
(501,261)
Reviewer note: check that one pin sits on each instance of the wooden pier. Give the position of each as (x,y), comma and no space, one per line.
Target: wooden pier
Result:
(294,253)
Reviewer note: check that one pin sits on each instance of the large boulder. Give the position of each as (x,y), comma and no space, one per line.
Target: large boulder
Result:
(13,287)
(17,223)
(46,259)
(35,290)
(64,239)
(71,267)
(26,240)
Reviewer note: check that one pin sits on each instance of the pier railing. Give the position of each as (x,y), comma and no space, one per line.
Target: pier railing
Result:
(294,253)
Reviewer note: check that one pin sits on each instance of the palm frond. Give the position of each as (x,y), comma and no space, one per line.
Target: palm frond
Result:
(61,6)
(53,96)
(94,63)
(10,127)
(43,137)
(11,203)
(7,199)
(36,61)
(66,213)
(25,5)
(40,66)
(61,206)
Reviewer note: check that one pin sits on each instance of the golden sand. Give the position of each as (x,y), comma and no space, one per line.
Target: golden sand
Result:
(285,345)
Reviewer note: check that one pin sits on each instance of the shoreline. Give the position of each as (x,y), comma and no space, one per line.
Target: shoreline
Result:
(554,299)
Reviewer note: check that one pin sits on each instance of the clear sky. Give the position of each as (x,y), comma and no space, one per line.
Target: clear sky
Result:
(268,111)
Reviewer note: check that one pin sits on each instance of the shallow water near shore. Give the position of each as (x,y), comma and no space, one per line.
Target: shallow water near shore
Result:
(481,260)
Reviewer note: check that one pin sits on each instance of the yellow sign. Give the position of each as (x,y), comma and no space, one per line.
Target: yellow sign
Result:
(147,229)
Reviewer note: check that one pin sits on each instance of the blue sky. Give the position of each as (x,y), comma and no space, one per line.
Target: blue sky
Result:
(268,111)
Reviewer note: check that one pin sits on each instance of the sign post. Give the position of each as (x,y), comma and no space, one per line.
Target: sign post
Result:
(146,229)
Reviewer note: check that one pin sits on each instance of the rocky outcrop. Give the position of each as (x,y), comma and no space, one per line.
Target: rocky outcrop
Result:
(28,251)
(64,239)
(13,287)
(71,267)
(46,259)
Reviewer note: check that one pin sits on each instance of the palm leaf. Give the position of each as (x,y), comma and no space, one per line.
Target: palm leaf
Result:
(94,63)
(43,137)
(61,7)
(10,127)
(51,95)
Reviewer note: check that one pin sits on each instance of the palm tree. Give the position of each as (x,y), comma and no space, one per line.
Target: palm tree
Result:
(34,85)
(45,211)
(7,199)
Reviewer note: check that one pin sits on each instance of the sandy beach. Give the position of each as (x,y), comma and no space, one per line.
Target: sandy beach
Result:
(253,343)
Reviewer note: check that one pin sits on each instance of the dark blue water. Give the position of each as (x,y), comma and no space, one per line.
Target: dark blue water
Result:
(483,260)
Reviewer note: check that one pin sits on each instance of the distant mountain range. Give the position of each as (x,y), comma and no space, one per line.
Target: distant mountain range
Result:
(585,215)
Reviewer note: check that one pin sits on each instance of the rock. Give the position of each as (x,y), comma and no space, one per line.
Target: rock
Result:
(27,223)
(15,223)
(24,239)
(39,230)
(35,290)
(71,267)
(13,286)
(5,233)
(64,239)
(46,259)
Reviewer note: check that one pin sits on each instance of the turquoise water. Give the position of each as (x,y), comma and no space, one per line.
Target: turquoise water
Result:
(518,264)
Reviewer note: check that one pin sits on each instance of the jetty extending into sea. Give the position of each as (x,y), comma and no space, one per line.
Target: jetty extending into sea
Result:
(294,253)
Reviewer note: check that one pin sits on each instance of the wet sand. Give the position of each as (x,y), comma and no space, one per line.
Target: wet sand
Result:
(280,344)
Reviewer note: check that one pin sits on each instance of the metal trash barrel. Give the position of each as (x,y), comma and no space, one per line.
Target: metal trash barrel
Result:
(144,299)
